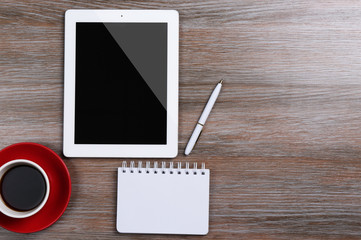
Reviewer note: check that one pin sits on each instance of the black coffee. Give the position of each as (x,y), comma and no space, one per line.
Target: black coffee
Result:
(23,188)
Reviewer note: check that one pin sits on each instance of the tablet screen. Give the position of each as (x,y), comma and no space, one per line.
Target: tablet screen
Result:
(121,83)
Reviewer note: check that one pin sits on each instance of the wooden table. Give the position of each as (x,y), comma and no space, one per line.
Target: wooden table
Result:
(283,142)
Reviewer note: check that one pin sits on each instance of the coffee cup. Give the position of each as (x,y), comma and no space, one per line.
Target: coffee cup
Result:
(24,188)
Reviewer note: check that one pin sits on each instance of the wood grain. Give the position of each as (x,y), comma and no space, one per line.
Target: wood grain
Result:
(283,142)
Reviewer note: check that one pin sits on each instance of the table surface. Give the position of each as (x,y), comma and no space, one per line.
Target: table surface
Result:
(283,142)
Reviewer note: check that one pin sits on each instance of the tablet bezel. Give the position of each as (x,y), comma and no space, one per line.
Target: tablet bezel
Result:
(169,150)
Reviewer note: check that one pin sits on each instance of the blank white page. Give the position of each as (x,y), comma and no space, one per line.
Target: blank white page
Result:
(164,203)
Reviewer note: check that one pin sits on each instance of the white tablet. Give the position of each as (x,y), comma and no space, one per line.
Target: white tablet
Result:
(121,83)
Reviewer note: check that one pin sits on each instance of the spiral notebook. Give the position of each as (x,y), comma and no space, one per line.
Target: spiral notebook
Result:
(163,199)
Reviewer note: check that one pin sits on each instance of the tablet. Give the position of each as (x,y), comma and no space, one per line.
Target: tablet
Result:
(121,83)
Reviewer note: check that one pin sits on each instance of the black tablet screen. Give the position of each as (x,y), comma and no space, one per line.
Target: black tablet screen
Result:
(121,83)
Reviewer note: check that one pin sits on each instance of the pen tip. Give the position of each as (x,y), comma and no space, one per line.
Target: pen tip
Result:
(221,81)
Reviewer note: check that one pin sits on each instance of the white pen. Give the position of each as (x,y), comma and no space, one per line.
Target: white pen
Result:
(202,120)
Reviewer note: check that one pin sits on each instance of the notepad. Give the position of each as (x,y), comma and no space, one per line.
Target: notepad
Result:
(162,200)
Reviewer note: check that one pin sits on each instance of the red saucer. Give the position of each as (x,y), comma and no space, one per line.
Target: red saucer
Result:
(60,186)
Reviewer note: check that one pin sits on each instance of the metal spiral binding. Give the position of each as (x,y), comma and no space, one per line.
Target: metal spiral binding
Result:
(163,169)
(155,167)
(132,166)
(147,166)
(171,167)
(124,165)
(139,167)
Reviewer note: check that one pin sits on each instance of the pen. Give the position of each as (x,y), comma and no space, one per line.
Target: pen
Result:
(202,120)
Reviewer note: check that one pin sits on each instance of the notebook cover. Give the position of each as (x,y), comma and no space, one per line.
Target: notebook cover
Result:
(163,201)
